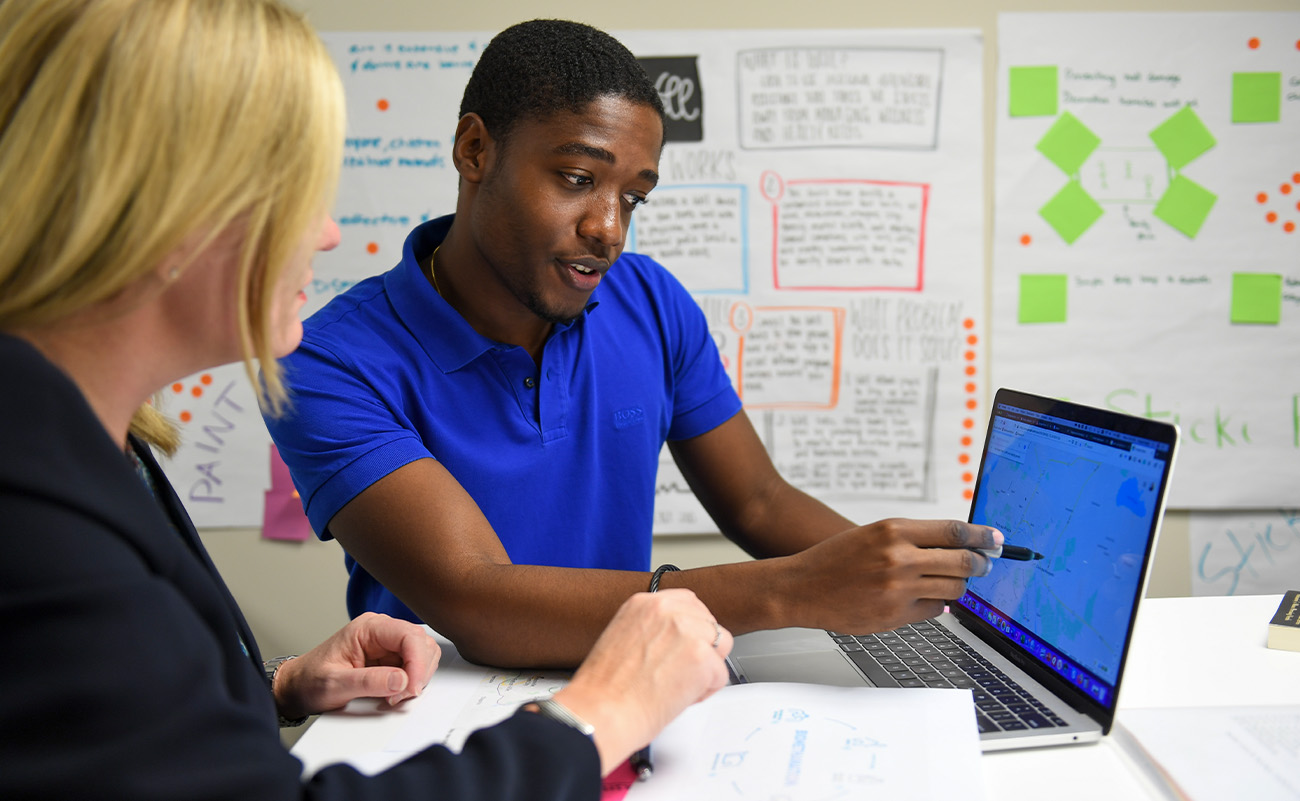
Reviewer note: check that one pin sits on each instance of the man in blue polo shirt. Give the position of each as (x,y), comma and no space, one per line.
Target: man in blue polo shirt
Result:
(480,426)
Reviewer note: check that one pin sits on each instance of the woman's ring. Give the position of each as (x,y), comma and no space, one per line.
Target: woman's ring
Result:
(717,634)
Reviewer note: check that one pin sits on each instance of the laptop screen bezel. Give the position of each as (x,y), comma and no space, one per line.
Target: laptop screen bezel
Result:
(1158,431)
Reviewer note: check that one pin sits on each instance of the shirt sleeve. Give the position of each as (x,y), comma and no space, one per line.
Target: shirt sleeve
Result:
(523,758)
(339,433)
(703,395)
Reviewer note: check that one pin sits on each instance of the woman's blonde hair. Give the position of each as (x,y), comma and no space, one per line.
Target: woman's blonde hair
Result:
(127,126)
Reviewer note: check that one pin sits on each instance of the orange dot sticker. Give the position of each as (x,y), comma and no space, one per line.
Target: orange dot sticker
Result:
(964,458)
(197,392)
(382,105)
(966,441)
(970,355)
(372,248)
(970,369)
(186,417)
(972,339)
(970,387)
(205,379)
(1281,213)
(970,404)
(177,387)
(1026,239)
(968,477)
(968,323)
(1253,43)
(968,494)
(968,423)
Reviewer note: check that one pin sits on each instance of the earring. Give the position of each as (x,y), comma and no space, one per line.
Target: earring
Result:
(173,273)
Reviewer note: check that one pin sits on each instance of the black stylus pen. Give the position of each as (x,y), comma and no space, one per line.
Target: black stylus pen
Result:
(1019,554)
(641,765)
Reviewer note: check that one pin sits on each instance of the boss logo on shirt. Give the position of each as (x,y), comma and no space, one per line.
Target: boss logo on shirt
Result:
(626,418)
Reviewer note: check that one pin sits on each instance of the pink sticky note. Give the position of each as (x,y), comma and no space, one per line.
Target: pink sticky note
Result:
(283,518)
(615,786)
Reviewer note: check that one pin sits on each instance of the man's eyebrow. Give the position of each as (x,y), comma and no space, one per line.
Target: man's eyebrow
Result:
(600,154)
(590,151)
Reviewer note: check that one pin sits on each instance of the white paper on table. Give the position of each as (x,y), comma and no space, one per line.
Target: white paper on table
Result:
(1217,753)
(803,741)
(467,698)
(497,697)
(460,698)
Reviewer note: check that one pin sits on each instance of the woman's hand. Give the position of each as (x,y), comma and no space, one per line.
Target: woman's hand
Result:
(374,656)
(660,654)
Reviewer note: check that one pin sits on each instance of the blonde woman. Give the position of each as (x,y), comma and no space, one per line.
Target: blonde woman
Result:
(166,169)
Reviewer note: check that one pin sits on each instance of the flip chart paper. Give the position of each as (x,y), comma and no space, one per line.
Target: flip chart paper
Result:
(1192,184)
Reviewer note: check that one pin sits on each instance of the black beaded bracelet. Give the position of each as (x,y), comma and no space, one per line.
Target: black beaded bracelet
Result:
(654,580)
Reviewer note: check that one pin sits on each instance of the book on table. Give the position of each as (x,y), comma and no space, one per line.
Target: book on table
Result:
(1284,628)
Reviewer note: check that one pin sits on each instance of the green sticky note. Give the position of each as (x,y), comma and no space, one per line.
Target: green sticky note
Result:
(1185,205)
(1256,96)
(1182,138)
(1257,298)
(1032,91)
(1068,143)
(1071,212)
(1043,298)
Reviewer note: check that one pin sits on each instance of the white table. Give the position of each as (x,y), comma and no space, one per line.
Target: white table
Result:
(1186,652)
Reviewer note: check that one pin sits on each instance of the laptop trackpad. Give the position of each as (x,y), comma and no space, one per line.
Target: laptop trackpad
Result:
(816,667)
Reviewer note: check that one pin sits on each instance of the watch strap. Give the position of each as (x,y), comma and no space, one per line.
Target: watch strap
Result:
(272,666)
(553,709)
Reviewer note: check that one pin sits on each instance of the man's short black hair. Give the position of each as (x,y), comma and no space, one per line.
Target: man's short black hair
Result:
(546,66)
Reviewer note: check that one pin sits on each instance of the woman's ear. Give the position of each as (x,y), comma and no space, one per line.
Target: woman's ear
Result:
(470,151)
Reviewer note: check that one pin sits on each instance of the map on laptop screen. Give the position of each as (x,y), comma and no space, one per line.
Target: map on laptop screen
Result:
(1085,498)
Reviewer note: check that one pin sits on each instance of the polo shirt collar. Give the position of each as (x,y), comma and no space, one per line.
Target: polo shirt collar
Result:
(445,336)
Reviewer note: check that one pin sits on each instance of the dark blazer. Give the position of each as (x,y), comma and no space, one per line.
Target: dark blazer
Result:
(122,673)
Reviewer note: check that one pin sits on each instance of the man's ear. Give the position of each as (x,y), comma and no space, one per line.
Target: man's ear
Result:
(471,151)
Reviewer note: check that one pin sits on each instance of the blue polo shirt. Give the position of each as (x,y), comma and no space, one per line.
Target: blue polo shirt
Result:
(561,459)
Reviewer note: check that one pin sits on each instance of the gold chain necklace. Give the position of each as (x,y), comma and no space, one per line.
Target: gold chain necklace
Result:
(433,276)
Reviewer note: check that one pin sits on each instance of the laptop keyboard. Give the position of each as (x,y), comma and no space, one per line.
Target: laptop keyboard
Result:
(926,654)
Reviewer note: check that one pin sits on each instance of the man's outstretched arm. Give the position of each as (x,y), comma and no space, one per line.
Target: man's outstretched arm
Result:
(421,535)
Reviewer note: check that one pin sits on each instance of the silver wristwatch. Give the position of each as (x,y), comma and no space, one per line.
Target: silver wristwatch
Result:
(271,666)
(553,709)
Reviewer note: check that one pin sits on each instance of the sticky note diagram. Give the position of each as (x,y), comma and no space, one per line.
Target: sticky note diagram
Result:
(1179,140)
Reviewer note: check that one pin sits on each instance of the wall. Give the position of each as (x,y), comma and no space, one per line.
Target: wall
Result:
(293,592)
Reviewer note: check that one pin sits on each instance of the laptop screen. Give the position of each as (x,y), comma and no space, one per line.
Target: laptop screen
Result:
(1084,488)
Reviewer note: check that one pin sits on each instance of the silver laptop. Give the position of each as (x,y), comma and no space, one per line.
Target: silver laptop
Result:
(1041,642)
